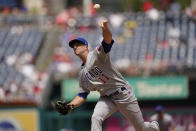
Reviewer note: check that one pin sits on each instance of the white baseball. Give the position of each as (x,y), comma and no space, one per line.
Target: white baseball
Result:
(97,6)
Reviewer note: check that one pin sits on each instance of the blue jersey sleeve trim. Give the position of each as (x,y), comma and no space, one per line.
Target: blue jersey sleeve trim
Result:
(83,95)
(107,47)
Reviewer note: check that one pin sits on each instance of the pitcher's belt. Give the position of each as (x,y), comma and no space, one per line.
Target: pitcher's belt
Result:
(117,92)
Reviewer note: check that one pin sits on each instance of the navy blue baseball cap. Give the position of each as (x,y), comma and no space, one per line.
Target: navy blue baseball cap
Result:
(159,108)
(80,40)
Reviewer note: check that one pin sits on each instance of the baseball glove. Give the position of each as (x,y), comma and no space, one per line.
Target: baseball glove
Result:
(63,108)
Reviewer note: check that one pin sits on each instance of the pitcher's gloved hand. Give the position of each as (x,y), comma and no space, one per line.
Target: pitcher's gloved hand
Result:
(63,108)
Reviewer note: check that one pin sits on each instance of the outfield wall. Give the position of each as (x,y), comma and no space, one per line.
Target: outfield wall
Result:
(36,119)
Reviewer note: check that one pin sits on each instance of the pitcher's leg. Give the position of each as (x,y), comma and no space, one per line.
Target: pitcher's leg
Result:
(103,109)
(133,113)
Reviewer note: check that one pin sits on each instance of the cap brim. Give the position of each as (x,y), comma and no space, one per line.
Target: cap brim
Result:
(72,42)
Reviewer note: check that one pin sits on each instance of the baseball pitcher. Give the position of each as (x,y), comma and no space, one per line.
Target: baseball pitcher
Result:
(99,74)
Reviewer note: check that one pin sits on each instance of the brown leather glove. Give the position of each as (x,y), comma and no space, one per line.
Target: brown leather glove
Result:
(63,108)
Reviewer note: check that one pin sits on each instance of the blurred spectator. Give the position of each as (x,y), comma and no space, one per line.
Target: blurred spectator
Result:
(148,66)
(147,5)
(13,87)
(133,70)
(174,36)
(25,58)
(16,30)
(23,63)
(175,7)
(165,44)
(123,63)
(93,10)
(180,128)
(183,41)
(27,89)
(62,18)
(165,120)
(6,10)
(62,60)
(116,20)
(71,23)
(2,93)
(11,59)
(153,14)
(169,16)
(164,4)
(192,126)
(173,11)
(29,71)
(67,18)
(188,12)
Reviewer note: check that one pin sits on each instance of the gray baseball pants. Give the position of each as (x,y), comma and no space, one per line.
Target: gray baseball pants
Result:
(124,103)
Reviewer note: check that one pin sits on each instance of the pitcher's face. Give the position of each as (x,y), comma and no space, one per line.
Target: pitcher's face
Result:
(79,48)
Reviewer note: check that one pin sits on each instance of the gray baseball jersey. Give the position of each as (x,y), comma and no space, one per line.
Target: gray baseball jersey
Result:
(99,74)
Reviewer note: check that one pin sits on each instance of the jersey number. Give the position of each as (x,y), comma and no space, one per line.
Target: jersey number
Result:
(103,78)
